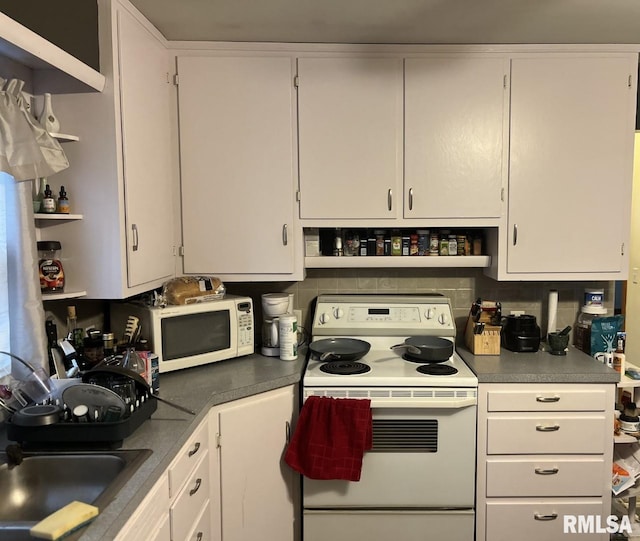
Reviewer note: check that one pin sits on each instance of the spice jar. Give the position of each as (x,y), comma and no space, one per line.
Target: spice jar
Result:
(50,267)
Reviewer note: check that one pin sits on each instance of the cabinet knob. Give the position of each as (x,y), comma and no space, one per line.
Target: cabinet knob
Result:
(195,449)
(134,230)
(390,199)
(285,235)
(550,516)
(515,234)
(197,487)
(410,198)
(547,471)
(547,428)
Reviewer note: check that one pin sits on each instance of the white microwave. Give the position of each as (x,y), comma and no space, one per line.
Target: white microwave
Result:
(192,334)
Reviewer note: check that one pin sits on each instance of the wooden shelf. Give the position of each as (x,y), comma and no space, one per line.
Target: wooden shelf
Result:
(328,262)
(28,48)
(63,295)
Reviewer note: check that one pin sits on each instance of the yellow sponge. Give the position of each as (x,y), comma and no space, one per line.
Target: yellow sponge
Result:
(64,521)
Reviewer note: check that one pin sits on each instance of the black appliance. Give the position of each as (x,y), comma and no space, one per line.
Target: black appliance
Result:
(520,333)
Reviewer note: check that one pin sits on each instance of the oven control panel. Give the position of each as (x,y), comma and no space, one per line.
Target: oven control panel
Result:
(383,315)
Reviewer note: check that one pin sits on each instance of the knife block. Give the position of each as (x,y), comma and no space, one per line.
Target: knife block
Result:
(485,343)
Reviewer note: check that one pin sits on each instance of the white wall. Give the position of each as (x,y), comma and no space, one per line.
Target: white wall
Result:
(633,286)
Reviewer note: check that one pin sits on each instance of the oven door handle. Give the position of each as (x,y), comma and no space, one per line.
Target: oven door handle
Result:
(424,403)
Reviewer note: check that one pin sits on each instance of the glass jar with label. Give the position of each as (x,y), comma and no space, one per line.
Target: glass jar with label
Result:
(453,244)
(50,267)
(444,242)
(423,241)
(434,243)
(396,242)
(379,233)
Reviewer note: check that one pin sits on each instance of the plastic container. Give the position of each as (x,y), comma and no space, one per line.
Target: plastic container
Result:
(50,267)
(288,336)
(582,332)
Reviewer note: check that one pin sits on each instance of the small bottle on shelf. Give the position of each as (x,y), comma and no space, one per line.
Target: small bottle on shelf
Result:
(48,203)
(63,202)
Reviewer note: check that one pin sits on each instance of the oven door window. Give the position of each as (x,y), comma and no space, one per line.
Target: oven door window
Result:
(195,334)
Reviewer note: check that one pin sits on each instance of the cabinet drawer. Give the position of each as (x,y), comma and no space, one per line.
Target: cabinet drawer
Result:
(549,398)
(548,434)
(188,457)
(202,530)
(543,519)
(190,500)
(560,476)
(149,513)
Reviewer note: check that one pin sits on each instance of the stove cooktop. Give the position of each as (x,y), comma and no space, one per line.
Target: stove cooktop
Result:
(384,321)
(389,369)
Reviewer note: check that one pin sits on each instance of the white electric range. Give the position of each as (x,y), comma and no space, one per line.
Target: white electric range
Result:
(418,480)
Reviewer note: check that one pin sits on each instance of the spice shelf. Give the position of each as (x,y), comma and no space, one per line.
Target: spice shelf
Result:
(350,262)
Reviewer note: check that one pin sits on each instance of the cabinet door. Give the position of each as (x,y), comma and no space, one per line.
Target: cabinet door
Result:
(350,137)
(145,94)
(257,501)
(237,160)
(570,163)
(454,124)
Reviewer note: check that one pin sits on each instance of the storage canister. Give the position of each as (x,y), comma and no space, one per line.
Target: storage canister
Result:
(288,337)
(582,333)
(49,266)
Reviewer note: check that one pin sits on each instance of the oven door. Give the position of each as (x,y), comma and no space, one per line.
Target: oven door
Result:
(421,458)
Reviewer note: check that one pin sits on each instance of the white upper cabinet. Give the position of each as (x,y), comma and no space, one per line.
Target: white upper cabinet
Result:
(122,171)
(571,158)
(350,137)
(454,114)
(238,166)
(146,102)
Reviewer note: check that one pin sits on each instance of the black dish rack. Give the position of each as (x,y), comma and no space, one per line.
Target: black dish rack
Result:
(70,434)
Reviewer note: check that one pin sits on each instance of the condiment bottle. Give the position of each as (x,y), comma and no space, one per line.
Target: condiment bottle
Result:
(48,203)
(619,357)
(63,202)
(50,267)
(396,243)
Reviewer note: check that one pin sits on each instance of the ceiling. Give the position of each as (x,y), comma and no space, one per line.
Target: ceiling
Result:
(397,21)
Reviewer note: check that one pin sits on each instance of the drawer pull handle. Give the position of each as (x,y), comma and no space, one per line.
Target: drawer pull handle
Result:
(551,516)
(550,471)
(195,449)
(196,488)
(547,428)
(199,536)
(547,398)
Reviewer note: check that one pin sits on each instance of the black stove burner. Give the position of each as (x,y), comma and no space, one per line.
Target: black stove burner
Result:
(345,368)
(437,369)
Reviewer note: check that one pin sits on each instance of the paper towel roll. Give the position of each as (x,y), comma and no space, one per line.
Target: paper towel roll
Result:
(553,311)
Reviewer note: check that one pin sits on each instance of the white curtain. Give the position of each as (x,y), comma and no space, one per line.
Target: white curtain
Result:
(27,152)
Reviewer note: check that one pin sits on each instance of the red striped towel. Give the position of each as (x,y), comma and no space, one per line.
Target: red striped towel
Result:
(330,438)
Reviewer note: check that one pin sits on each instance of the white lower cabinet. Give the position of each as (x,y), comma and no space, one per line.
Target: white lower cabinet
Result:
(180,498)
(228,482)
(544,459)
(258,490)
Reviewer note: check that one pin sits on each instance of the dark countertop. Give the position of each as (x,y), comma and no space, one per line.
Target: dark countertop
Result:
(538,367)
(198,389)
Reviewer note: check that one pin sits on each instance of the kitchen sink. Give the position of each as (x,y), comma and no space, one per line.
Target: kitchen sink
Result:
(44,482)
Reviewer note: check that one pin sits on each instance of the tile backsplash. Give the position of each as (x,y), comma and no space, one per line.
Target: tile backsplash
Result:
(462,286)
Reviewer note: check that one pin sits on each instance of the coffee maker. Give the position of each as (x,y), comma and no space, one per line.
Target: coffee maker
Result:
(273,306)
